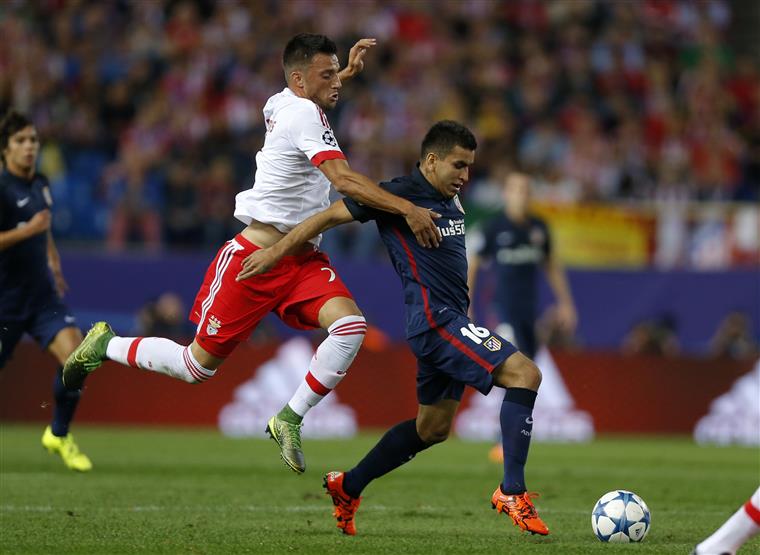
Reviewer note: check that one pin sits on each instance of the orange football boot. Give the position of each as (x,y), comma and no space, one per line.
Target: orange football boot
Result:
(520,509)
(345,505)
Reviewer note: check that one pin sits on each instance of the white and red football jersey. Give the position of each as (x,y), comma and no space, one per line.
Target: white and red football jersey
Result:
(289,187)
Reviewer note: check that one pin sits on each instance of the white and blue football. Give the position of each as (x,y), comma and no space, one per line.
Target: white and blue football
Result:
(620,516)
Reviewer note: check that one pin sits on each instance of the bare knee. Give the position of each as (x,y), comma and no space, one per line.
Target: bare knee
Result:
(518,371)
(433,432)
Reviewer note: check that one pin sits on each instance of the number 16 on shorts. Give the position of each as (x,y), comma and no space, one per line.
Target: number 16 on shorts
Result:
(481,336)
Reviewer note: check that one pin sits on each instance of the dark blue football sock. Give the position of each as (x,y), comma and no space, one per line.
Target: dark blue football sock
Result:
(65,405)
(516,429)
(396,447)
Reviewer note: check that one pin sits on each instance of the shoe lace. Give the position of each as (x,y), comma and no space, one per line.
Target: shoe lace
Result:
(524,505)
(292,435)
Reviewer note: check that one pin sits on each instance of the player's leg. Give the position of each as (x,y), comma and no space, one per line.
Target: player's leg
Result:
(225,311)
(56,438)
(398,446)
(743,525)
(318,299)
(346,327)
(521,379)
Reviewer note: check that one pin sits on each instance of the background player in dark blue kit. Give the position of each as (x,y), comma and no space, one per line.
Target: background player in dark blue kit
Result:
(518,243)
(451,350)
(31,281)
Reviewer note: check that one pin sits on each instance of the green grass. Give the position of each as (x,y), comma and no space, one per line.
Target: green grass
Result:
(178,491)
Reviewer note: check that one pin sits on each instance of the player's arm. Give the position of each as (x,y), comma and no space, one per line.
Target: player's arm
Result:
(567,316)
(54,263)
(39,223)
(356,59)
(365,191)
(262,260)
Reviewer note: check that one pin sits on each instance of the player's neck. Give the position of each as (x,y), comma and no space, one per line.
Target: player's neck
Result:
(23,173)
(517,217)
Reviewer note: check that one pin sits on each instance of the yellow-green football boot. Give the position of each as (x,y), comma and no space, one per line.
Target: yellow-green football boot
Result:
(67,448)
(288,437)
(88,356)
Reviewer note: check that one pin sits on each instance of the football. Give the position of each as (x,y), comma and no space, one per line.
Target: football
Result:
(620,516)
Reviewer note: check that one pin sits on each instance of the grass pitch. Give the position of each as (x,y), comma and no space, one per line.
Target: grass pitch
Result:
(159,491)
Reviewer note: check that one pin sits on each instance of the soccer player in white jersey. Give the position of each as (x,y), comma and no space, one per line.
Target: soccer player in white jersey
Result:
(299,160)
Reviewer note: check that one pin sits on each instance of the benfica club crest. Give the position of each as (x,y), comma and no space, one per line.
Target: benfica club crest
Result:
(213,325)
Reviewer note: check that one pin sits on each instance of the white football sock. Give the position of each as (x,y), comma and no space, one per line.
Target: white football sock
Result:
(330,363)
(736,531)
(159,355)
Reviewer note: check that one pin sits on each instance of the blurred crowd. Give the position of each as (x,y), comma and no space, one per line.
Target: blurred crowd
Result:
(150,112)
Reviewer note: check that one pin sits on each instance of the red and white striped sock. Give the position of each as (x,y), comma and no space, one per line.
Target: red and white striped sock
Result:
(158,355)
(330,363)
(736,531)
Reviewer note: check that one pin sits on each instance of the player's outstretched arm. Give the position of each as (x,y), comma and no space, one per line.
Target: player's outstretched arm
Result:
(365,191)
(262,260)
(356,59)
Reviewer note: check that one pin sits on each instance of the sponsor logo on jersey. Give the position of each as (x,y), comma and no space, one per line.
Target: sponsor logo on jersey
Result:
(23,202)
(213,325)
(492,344)
(455,227)
(524,254)
(328,138)
(332,274)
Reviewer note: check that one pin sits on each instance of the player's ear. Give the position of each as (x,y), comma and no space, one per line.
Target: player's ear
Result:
(430,160)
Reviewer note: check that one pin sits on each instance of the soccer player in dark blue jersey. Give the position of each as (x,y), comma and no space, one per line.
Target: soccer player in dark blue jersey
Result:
(518,243)
(451,350)
(31,280)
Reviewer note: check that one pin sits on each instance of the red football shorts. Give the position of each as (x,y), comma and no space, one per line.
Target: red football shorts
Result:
(227,311)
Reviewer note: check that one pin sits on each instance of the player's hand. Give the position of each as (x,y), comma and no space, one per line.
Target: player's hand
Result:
(356,58)
(422,223)
(39,223)
(258,262)
(567,318)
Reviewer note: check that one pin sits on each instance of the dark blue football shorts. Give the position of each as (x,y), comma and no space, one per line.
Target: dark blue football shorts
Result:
(49,317)
(456,354)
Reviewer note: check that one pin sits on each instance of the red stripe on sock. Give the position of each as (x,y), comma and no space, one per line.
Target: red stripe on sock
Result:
(315,386)
(752,511)
(132,352)
(194,372)
(350,325)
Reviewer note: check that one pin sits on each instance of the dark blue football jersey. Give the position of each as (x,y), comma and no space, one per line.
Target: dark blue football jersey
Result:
(517,250)
(434,279)
(24,273)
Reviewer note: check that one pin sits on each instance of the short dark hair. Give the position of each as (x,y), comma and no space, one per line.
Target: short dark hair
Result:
(12,123)
(302,48)
(444,136)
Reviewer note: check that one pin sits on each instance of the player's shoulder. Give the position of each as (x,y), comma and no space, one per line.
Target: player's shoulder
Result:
(286,106)
(402,186)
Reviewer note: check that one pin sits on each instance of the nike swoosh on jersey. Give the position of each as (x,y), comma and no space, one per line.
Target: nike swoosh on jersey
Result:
(23,202)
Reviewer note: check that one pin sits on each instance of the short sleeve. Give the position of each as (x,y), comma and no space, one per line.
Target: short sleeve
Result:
(360,212)
(311,134)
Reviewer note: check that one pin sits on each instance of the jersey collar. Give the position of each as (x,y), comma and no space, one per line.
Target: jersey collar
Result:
(8,176)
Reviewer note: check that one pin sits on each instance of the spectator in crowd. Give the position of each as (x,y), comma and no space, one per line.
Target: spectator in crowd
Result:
(734,338)
(602,100)
(655,336)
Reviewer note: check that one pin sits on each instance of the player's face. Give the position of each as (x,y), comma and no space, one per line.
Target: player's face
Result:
(517,193)
(21,152)
(449,174)
(321,82)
